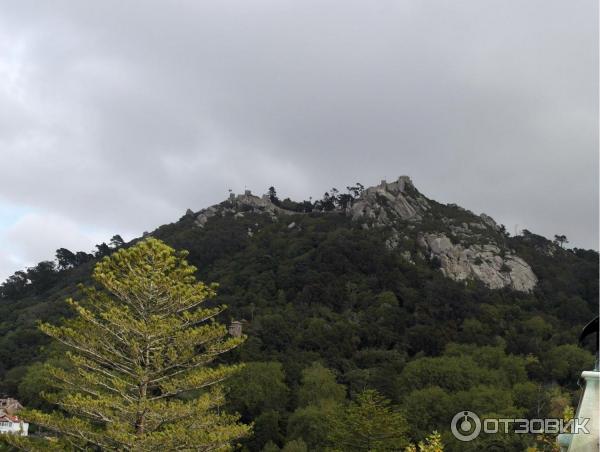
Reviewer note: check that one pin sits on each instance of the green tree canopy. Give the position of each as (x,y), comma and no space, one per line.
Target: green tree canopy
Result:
(565,362)
(318,384)
(312,423)
(138,343)
(258,387)
(295,446)
(369,423)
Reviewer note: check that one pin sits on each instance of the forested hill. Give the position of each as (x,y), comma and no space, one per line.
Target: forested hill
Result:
(435,307)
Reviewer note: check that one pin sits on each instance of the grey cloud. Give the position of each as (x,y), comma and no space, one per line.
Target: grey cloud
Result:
(121,115)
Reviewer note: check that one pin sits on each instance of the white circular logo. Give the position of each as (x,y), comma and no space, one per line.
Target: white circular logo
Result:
(465,426)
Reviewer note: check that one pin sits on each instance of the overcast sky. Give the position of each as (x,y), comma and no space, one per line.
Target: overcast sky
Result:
(116,116)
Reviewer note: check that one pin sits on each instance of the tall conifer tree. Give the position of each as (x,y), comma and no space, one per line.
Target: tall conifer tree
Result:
(368,424)
(140,350)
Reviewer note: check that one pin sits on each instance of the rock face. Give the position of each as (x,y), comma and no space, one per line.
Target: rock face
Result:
(489,221)
(483,262)
(390,201)
(204,215)
(395,204)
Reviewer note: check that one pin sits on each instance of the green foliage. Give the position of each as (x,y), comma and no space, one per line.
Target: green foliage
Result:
(267,429)
(271,447)
(485,379)
(432,443)
(565,362)
(369,423)
(313,423)
(296,445)
(134,349)
(260,386)
(331,292)
(319,400)
(318,385)
(449,372)
(428,408)
(560,240)
(37,381)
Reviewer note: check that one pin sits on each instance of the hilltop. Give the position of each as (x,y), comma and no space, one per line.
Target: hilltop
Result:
(466,246)
(433,305)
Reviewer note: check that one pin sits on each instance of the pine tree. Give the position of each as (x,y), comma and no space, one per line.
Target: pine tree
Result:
(369,424)
(140,350)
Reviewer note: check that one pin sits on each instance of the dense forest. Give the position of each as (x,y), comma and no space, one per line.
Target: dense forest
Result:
(331,312)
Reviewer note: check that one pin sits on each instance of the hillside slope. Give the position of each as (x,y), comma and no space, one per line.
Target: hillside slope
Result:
(374,284)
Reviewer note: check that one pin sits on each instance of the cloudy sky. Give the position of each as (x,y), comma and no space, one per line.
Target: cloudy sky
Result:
(117,116)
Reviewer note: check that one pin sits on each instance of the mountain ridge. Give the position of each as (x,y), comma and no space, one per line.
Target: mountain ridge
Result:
(474,249)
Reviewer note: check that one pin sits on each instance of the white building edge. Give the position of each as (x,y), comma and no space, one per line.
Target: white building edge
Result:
(589,405)
(589,408)
(13,425)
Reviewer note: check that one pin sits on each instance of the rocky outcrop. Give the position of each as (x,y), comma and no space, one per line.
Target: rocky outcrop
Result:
(489,221)
(476,253)
(386,202)
(483,262)
(204,215)
(251,203)
(379,205)
(238,205)
(406,214)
